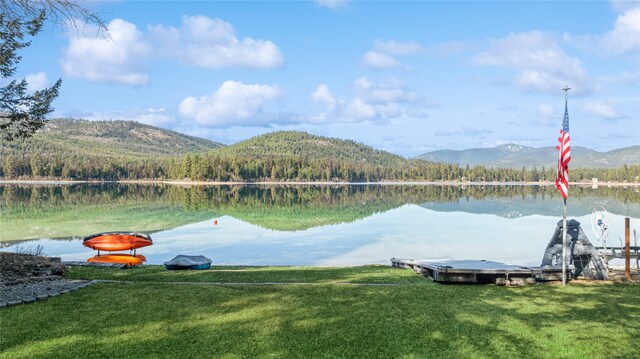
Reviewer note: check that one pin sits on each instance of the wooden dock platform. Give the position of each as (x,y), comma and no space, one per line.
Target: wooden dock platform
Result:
(94,264)
(619,252)
(479,271)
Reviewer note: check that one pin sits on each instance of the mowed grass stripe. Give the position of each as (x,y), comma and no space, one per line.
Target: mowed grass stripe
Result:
(243,274)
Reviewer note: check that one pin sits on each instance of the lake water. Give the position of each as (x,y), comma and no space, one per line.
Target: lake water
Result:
(308,225)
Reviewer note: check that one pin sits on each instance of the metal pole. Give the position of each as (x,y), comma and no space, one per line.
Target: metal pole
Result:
(627,250)
(564,243)
(564,210)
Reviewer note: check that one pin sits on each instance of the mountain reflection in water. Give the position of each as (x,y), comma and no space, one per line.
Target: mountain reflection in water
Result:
(307,225)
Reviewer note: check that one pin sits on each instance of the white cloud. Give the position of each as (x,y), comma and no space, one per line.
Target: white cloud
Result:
(601,109)
(625,36)
(624,5)
(623,39)
(324,96)
(358,110)
(120,55)
(333,4)
(37,81)
(541,81)
(233,104)
(155,117)
(385,52)
(530,49)
(212,43)
(392,91)
(543,65)
(379,61)
(376,102)
(159,117)
(115,58)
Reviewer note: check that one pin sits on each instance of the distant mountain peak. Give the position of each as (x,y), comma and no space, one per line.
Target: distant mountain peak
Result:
(512,147)
(517,156)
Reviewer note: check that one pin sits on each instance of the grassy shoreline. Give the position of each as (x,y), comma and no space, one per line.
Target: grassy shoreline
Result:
(149,317)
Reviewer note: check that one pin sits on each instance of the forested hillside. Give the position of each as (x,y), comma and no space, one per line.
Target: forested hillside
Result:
(110,138)
(298,156)
(118,150)
(291,144)
(71,148)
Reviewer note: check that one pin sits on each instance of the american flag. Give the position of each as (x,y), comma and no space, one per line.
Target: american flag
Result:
(564,156)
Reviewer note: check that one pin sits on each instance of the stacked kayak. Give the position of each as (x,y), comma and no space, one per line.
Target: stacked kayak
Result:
(118,241)
(126,259)
(182,262)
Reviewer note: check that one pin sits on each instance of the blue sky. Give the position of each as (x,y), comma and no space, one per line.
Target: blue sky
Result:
(407,77)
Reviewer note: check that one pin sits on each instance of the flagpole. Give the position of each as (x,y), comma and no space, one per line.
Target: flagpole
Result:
(564,213)
(564,243)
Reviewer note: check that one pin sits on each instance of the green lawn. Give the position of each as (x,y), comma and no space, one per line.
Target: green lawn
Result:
(240,274)
(148,317)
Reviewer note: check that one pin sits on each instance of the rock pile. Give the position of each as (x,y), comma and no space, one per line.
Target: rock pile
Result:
(18,267)
(26,278)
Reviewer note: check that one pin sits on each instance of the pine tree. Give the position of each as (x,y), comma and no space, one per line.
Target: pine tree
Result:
(23,113)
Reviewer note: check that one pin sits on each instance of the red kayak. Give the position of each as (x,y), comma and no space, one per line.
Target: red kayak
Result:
(129,260)
(117,241)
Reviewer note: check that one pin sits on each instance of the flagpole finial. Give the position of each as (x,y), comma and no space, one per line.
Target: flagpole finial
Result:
(566,92)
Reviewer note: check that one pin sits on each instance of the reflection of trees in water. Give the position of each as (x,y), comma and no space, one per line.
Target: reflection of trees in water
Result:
(291,207)
(43,197)
(343,194)
(15,197)
(308,205)
(301,207)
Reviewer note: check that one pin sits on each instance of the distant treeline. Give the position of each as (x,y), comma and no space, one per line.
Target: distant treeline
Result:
(217,167)
(75,167)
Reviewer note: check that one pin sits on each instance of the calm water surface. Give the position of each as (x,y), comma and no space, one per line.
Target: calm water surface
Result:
(308,225)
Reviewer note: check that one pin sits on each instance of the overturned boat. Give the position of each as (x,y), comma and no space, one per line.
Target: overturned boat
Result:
(117,241)
(182,262)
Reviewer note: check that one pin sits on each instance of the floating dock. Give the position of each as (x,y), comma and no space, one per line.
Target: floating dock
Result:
(479,271)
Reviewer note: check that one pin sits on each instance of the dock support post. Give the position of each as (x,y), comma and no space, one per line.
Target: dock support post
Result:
(627,250)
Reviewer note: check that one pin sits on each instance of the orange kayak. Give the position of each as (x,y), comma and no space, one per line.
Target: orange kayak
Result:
(127,259)
(117,241)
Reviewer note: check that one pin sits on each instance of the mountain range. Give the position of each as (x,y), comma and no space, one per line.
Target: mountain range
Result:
(517,156)
(126,139)
(109,139)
